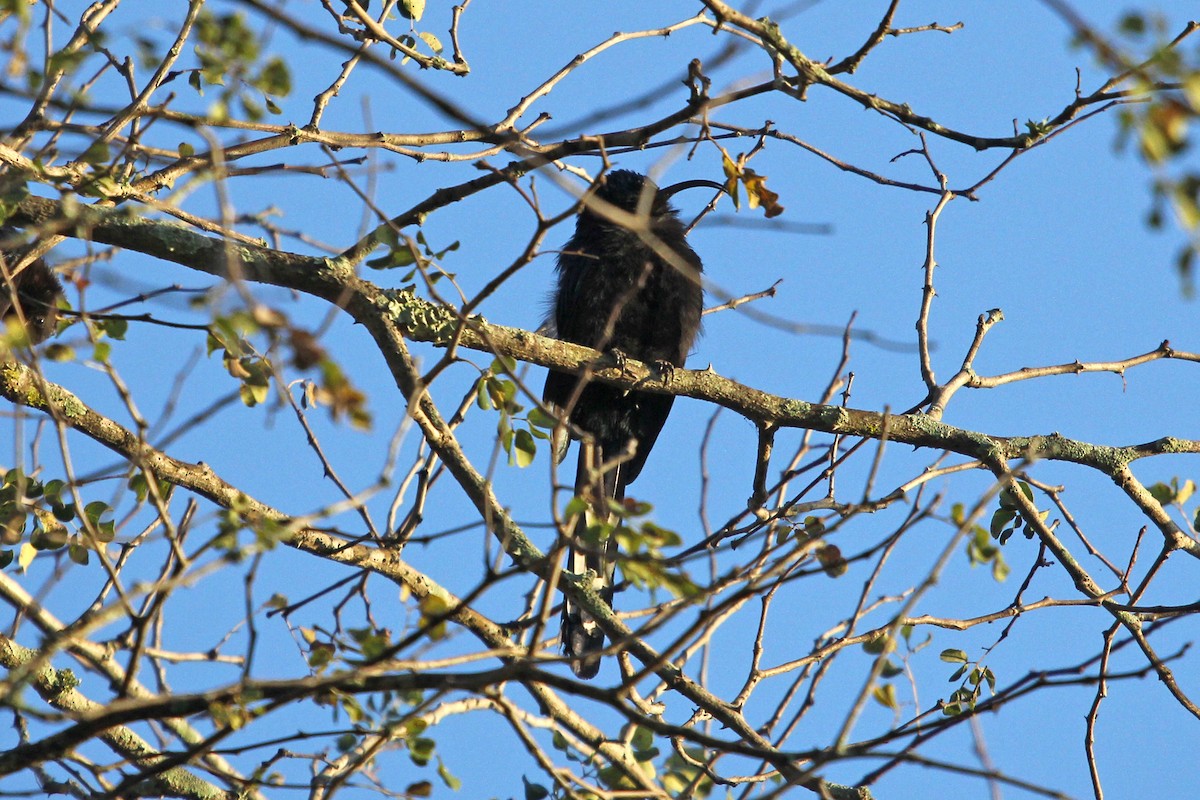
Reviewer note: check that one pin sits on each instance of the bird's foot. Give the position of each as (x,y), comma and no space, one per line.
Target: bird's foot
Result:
(617,357)
(665,370)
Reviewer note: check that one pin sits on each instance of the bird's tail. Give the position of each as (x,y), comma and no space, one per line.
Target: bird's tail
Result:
(582,639)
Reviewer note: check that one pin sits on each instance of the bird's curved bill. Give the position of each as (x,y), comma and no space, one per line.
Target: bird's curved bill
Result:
(694,184)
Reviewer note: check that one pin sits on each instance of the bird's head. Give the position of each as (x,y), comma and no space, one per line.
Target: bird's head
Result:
(625,189)
(39,292)
(36,289)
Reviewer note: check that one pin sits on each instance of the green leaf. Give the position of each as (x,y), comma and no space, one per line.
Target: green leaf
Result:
(534,791)
(320,655)
(524,448)
(250,107)
(354,710)
(95,509)
(1000,569)
(12,191)
(99,186)
(1000,520)
(420,750)
(1040,128)
(252,394)
(373,644)
(1162,493)
(646,756)
(52,538)
(877,645)
(1132,24)
(139,485)
(412,9)
(453,783)
(502,391)
(78,553)
(400,257)
(96,154)
(482,398)
(65,61)
(434,607)
(115,328)
(60,353)
(885,695)
(19,7)
(814,527)
(502,364)
(642,739)
(12,523)
(953,656)
(540,419)
(275,78)
(559,742)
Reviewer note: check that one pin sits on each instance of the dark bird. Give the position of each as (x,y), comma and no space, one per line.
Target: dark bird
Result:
(619,292)
(34,290)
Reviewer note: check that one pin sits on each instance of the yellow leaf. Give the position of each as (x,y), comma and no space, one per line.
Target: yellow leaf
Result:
(759,195)
(1191,90)
(433,606)
(26,555)
(732,175)
(885,695)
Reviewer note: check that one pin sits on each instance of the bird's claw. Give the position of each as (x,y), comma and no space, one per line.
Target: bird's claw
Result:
(665,369)
(617,357)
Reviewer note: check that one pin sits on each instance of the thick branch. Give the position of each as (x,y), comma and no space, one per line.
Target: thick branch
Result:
(811,72)
(57,687)
(384,312)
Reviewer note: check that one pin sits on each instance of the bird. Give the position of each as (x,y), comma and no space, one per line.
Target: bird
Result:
(34,290)
(616,292)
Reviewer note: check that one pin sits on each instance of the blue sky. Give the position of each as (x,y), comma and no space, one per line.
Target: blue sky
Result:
(1057,241)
